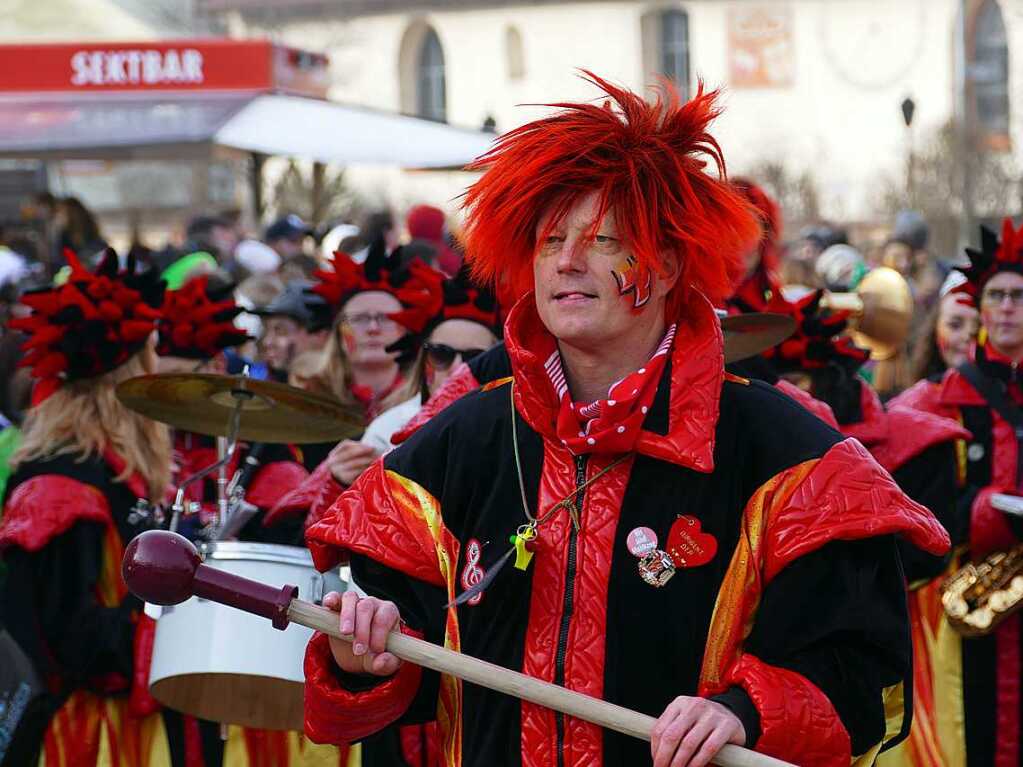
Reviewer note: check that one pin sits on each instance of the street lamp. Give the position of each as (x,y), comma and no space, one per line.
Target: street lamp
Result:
(908,107)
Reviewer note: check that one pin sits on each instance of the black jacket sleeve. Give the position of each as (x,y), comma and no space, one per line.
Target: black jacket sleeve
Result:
(930,480)
(838,616)
(54,613)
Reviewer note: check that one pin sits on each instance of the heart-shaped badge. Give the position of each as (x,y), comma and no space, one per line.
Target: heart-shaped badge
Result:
(688,545)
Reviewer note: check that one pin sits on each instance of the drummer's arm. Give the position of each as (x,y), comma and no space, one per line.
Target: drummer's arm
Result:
(343,707)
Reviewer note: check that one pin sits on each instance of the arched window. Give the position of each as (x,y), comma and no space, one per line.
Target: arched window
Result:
(514,53)
(674,48)
(431,99)
(989,71)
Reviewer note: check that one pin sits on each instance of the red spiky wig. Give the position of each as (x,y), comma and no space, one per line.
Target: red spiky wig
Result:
(90,325)
(198,322)
(995,255)
(648,163)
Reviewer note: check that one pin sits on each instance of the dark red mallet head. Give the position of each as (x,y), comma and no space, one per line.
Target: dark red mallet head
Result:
(164,568)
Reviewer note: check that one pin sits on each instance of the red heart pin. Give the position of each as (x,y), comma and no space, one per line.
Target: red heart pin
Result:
(688,545)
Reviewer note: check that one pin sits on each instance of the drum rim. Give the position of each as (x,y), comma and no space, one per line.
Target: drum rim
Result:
(256,552)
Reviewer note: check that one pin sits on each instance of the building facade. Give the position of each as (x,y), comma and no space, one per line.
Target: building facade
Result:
(814,87)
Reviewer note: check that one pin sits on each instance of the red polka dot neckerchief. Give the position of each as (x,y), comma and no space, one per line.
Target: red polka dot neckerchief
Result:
(611,425)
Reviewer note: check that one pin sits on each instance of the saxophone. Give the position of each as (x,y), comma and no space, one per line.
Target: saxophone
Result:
(980,596)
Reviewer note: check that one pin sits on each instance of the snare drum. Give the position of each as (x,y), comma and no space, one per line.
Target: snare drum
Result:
(225,665)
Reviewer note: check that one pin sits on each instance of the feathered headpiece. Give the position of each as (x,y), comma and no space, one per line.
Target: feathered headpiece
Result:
(418,292)
(646,161)
(995,255)
(90,325)
(198,321)
(464,299)
(818,340)
(416,286)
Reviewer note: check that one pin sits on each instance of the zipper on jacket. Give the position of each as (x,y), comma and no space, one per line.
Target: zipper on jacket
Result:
(567,603)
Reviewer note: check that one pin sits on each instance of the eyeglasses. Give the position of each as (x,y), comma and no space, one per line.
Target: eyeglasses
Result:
(365,319)
(995,296)
(442,356)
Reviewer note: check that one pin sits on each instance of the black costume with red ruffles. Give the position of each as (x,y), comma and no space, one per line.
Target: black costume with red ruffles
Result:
(64,527)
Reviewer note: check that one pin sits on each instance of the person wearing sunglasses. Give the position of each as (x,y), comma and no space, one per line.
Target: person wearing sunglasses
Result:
(465,327)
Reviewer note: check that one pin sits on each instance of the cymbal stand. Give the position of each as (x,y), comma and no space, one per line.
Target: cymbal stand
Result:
(241,396)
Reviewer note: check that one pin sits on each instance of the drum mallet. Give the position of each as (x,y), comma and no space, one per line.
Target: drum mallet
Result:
(165,569)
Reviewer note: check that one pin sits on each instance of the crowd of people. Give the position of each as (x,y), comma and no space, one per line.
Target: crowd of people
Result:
(553,449)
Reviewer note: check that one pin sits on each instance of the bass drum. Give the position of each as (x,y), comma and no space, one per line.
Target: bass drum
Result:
(224,665)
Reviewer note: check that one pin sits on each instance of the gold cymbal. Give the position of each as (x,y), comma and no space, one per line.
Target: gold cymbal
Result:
(270,412)
(747,335)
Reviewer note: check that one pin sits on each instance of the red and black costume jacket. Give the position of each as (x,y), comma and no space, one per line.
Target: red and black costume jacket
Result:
(919,450)
(64,527)
(278,471)
(798,623)
(991,665)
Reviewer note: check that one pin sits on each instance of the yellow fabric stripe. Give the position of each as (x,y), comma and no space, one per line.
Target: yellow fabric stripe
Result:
(93,730)
(420,507)
(741,587)
(496,383)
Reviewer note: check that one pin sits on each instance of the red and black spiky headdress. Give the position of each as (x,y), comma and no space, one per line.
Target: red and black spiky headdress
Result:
(646,161)
(995,255)
(819,339)
(90,325)
(464,299)
(198,322)
(418,292)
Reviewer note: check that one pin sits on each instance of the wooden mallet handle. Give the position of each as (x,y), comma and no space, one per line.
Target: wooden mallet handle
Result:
(164,568)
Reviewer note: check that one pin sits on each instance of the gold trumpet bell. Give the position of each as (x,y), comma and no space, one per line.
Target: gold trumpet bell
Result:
(882,311)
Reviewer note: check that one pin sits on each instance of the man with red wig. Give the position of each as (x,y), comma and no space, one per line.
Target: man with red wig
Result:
(620,516)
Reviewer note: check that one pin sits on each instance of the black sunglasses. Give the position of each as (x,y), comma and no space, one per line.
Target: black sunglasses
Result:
(442,356)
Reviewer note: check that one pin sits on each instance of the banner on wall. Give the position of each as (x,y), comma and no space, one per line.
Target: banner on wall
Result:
(761,50)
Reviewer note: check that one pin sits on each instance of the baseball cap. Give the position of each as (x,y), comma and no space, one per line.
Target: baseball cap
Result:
(291,227)
(296,302)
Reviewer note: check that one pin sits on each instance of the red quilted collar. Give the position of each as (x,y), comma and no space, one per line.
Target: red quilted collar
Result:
(697,372)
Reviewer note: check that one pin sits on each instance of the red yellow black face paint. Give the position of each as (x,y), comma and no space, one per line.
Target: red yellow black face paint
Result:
(348,339)
(633,278)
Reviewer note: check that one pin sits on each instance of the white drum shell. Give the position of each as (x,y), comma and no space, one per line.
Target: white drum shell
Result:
(225,665)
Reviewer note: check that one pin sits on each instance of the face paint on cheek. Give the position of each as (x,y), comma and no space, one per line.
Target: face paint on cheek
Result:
(348,340)
(633,278)
(429,373)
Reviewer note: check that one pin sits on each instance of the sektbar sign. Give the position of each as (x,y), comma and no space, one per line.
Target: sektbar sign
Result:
(175,65)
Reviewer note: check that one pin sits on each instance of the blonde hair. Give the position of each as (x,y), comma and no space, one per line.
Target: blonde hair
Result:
(334,377)
(85,418)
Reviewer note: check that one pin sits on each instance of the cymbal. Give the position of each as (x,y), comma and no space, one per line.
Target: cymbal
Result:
(270,412)
(747,335)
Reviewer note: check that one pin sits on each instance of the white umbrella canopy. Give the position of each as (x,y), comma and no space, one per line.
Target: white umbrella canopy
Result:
(158,125)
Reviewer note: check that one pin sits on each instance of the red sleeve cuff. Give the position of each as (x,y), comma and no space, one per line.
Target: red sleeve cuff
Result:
(989,529)
(336,715)
(273,482)
(798,724)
